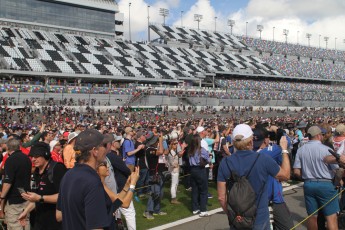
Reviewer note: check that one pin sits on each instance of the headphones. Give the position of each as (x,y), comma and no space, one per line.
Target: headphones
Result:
(47,154)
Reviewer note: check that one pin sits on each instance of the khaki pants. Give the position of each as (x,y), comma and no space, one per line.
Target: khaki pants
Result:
(12,212)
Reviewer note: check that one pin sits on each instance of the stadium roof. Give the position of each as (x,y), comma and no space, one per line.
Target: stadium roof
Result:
(108,5)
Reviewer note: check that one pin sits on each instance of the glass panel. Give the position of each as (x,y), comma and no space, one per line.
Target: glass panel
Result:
(57,14)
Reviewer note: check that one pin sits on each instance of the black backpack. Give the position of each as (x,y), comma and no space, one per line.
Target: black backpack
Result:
(241,200)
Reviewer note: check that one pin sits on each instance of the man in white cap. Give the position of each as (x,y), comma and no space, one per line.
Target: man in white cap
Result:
(316,166)
(68,151)
(257,168)
(339,139)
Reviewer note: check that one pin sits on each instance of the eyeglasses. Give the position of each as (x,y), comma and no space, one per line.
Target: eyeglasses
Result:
(175,143)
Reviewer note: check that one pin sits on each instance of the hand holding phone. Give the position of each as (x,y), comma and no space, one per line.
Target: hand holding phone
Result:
(21,190)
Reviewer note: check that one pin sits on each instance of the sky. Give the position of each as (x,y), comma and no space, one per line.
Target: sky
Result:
(320,18)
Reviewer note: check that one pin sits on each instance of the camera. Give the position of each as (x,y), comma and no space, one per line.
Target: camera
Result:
(170,136)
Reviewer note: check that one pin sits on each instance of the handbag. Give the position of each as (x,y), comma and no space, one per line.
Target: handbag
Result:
(203,162)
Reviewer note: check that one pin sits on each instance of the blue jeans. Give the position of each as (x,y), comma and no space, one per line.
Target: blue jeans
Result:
(199,185)
(143,181)
(154,201)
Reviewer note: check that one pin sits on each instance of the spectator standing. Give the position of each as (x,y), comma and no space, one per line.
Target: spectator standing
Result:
(339,139)
(83,202)
(174,169)
(142,163)
(282,218)
(241,162)
(118,175)
(68,153)
(44,193)
(154,150)
(128,149)
(198,158)
(17,175)
(315,165)
(56,151)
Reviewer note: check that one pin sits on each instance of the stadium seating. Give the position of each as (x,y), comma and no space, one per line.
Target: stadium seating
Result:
(196,53)
(277,47)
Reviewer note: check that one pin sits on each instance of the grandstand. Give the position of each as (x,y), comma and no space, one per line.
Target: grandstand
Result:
(184,65)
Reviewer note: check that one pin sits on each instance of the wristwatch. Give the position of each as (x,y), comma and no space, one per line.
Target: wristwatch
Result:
(41,199)
(285,151)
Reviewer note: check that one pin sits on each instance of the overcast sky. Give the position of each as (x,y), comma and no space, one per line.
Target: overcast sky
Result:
(317,17)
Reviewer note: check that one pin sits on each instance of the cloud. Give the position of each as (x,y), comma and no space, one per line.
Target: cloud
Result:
(139,13)
(317,17)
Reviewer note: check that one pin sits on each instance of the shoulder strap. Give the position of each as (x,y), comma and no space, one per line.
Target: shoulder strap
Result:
(226,161)
(252,166)
(50,171)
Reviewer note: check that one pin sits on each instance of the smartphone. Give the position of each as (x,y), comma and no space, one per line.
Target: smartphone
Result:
(21,190)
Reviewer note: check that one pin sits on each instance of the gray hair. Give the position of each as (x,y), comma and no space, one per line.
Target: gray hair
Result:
(13,144)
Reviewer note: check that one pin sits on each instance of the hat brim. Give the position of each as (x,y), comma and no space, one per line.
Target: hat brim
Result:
(71,139)
(152,141)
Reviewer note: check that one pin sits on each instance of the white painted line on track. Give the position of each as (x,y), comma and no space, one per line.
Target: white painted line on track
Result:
(212,212)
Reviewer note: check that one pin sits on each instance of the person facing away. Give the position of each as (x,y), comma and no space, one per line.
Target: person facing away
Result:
(241,162)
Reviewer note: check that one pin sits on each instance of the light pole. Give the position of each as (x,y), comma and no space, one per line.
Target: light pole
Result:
(308,36)
(148,23)
(259,28)
(215,24)
(231,23)
(297,36)
(163,12)
(181,18)
(246,29)
(286,33)
(273,32)
(319,41)
(129,21)
(198,18)
(335,44)
(326,40)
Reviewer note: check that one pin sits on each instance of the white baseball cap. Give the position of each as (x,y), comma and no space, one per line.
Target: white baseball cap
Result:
(200,129)
(241,132)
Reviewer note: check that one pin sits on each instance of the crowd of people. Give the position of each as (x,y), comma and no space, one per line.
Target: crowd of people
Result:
(278,47)
(90,165)
(229,89)
(305,69)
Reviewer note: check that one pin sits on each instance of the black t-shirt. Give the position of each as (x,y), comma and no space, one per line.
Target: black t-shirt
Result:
(83,201)
(140,155)
(45,212)
(18,174)
(152,161)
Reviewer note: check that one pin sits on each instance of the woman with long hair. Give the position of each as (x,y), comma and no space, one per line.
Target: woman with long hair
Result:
(198,158)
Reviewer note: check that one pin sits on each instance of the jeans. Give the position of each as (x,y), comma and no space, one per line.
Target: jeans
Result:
(199,185)
(143,181)
(154,201)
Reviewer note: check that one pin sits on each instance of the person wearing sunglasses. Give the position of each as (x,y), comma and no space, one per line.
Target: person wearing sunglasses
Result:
(83,201)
